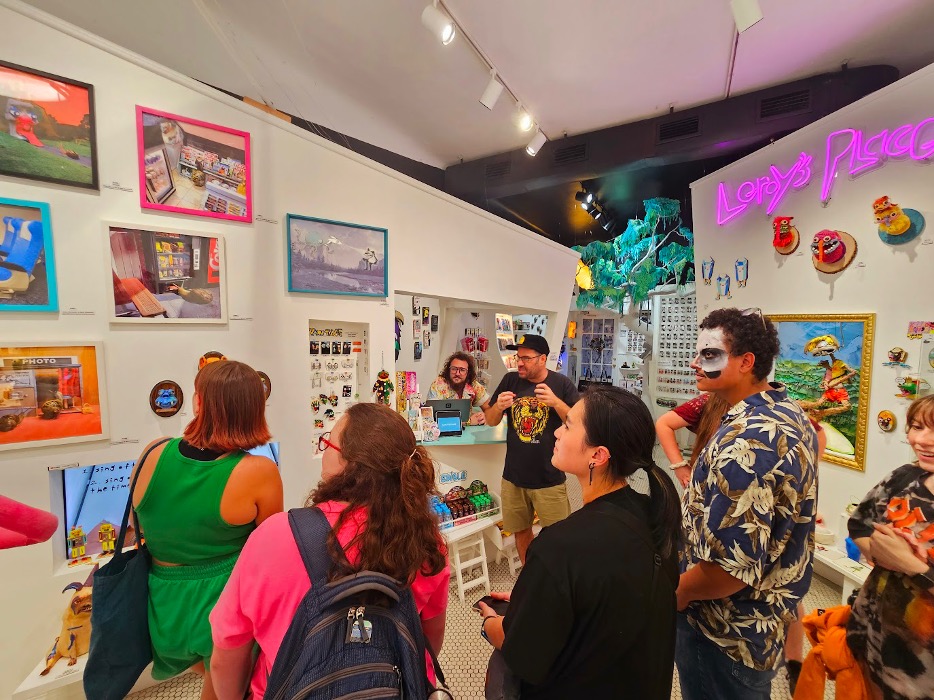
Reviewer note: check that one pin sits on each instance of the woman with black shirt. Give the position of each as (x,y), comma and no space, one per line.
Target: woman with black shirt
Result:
(593,611)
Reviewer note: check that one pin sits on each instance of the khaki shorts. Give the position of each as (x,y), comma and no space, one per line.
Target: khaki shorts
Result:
(520,505)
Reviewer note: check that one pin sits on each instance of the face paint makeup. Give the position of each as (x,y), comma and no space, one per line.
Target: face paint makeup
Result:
(712,355)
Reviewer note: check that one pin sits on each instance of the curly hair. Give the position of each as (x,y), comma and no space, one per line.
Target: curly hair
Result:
(391,478)
(921,411)
(747,331)
(464,357)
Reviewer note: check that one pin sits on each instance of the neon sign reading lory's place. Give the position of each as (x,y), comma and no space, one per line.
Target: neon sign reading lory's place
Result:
(846,150)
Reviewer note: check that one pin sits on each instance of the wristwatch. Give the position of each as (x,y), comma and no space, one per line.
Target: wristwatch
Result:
(925,580)
(483,627)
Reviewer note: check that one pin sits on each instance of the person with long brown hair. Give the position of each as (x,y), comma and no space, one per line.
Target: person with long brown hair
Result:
(374,489)
(198,498)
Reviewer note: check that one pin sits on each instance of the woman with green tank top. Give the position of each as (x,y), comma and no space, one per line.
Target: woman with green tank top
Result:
(198,499)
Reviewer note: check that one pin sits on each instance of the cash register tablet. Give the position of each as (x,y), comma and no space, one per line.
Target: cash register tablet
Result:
(462,405)
(449,423)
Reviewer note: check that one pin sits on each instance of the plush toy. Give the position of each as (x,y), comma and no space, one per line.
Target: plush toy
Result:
(786,238)
(75,638)
(383,387)
(896,225)
(832,251)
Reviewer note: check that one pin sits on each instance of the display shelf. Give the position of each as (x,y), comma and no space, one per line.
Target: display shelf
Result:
(836,564)
(473,435)
(64,682)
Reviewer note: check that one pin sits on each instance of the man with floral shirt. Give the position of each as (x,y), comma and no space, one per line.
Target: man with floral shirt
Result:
(749,517)
(458,380)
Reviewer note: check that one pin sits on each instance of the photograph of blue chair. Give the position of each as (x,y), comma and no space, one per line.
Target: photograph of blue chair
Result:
(27,263)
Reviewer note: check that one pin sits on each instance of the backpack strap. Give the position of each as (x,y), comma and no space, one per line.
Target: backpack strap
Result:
(310,528)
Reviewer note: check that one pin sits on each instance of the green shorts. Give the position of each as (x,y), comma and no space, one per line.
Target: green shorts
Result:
(520,505)
(180,600)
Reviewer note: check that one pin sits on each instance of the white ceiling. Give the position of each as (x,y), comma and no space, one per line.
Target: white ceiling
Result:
(368,68)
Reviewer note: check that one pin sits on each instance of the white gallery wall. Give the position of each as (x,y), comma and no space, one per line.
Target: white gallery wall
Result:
(293,171)
(894,282)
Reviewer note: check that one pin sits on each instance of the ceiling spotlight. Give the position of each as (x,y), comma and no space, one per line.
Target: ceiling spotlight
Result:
(438,23)
(607,223)
(536,143)
(525,121)
(745,13)
(584,197)
(493,90)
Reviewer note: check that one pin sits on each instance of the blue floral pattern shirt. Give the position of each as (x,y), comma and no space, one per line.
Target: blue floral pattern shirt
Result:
(750,509)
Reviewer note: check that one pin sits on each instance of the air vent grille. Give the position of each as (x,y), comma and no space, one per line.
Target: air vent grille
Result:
(681,129)
(570,154)
(796,102)
(498,169)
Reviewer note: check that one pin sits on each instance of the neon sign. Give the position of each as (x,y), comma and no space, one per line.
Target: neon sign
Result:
(846,150)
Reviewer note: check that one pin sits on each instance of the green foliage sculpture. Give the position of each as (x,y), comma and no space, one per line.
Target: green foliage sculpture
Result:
(653,251)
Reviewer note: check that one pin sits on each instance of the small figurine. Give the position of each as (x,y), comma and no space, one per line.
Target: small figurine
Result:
(723,287)
(707,266)
(897,357)
(75,637)
(896,225)
(76,542)
(166,399)
(832,251)
(741,267)
(886,421)
(786,238)
(107,536)
(910,386)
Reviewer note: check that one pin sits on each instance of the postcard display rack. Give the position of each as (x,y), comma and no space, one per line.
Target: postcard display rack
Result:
(475,343)
(338,358)
(675,347)
(597,340)
(505,335)
(631,347)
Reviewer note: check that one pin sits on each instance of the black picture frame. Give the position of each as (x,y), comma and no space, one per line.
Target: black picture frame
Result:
(13,106)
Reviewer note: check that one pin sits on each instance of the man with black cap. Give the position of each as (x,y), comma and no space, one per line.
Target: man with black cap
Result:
(535,402)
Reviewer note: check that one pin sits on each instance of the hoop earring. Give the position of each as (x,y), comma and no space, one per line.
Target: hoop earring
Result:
(592,465)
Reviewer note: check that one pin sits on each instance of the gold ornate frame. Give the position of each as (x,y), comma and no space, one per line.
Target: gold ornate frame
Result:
(858,460)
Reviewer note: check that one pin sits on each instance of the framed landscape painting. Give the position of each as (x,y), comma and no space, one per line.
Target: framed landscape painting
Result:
(332,257)
(48,128)
(825,362)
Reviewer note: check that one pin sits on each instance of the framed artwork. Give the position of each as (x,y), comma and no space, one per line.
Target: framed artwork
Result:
(825,361)
(165,276)
(48,132)
(27,258)
(332,257)
(188,166)
(51,394)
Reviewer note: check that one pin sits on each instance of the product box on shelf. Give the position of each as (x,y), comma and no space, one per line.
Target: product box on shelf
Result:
(461,506)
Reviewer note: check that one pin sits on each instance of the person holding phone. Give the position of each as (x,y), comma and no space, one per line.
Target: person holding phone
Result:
(593,611)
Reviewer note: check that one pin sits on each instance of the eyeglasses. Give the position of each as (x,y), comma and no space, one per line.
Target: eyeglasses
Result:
(324,443)
(755,311)
(459,370)
(527,358)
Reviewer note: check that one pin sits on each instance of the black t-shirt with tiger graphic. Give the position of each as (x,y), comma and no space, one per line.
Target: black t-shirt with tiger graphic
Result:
(530,436)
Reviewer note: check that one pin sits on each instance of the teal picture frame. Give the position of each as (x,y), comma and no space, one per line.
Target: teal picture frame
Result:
(27,265)
(336,257)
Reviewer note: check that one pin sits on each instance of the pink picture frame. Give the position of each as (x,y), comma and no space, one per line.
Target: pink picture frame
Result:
(210,166)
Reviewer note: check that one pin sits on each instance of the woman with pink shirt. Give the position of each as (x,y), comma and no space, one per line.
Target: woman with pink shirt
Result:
(374,491)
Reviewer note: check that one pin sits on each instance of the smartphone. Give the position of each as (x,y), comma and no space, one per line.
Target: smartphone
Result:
(499,606)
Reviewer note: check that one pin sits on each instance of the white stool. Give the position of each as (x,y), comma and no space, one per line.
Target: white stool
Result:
(510,553)
(468,553)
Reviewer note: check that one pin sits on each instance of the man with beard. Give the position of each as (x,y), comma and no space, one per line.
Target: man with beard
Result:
(749,515)
(458,380)
(535,402)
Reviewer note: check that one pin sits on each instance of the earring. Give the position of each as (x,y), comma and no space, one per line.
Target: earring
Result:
(592,465)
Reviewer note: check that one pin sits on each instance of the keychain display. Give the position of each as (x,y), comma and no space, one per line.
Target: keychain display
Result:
(886,421)
(675,349)
(785,238)
(896,225)
(334,370)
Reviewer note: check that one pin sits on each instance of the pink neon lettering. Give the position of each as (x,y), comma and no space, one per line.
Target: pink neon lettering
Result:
(800,172)
(830,167)
(894,147)
(725,212)
(927,149)
(866,155)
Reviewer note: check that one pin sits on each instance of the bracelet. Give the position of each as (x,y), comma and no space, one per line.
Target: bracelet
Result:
(678,465)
